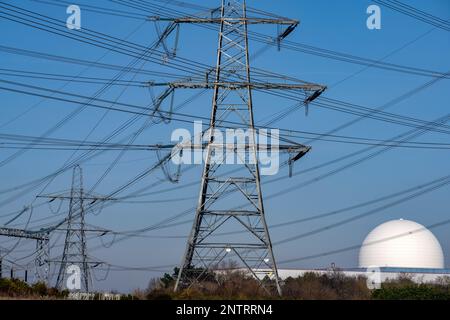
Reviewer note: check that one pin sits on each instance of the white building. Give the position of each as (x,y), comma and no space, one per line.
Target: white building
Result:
(401,244)
(416,275)
(395,248)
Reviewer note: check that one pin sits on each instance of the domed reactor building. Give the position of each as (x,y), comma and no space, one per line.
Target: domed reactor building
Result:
(401,244)
(393,249)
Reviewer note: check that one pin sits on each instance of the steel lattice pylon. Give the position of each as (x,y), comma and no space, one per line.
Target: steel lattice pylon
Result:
(42,247)
(42,259)
(253,251)
(75,244)
(75,251)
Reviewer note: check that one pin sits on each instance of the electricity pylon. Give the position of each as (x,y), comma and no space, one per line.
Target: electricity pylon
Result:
(75,246)
(208,246)
(42,248)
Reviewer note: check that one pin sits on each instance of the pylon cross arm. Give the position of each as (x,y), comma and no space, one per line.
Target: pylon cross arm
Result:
(241,20)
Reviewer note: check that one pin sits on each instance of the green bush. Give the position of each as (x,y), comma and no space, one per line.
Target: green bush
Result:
(330,286)
(17,288)
(333,285)
(14,287)
(412,292)
(40,289)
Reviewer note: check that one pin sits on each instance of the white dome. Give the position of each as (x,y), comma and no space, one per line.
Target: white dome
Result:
(403,244)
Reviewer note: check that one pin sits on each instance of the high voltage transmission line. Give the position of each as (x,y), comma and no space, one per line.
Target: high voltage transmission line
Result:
(418,190)
(19,141)
(316,167)
(415,13)
(325,164)
(146,6)
(222,73)
(127,124)
(376,114)
(409,135)
(274,41)
(79,145)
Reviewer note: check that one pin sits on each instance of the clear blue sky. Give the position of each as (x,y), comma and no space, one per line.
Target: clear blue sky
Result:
(333,25)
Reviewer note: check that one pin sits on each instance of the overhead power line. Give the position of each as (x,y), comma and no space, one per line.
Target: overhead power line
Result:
(271,40)
(295,46)
(415,13)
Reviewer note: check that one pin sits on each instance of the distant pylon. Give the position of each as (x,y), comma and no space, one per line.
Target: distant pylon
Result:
(42,270)
(75,251)
(75,246)
(42,238)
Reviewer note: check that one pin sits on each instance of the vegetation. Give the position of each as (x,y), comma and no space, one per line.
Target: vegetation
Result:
(237,285)
(405,289)
(334,286)
(310,286)
(15,288)
(18,289)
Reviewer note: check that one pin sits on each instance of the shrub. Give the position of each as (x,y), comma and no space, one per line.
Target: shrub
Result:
(331,286)
(40,289)
(14,287)
(412,292)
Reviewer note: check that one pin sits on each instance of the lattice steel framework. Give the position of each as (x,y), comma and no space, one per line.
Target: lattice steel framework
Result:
(75,244)
(208,246)
(42,248)
(75,250)
(42,265)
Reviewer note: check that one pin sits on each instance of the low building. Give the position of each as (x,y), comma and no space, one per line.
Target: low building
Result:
(417,275)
